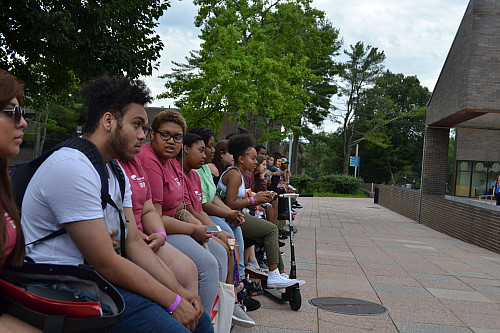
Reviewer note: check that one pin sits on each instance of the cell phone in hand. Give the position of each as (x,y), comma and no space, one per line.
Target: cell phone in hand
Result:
(213,229)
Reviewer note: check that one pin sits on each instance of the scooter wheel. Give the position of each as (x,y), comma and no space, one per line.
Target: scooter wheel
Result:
(295,301)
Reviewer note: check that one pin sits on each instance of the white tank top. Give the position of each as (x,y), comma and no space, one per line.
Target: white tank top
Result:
(222,189)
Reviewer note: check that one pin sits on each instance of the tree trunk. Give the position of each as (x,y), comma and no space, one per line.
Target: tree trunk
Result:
(40,137)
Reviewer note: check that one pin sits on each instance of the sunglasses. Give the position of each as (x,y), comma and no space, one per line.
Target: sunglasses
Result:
(165,136)
(17,112)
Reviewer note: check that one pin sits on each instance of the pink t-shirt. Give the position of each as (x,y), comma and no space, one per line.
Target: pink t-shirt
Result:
(192,186)
(139,184)
(193,194)
(166,187)
(11,235)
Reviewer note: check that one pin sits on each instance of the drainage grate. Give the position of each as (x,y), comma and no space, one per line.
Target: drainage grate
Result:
(350,306)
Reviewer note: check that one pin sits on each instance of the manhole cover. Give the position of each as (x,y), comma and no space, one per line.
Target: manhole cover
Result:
(350,306)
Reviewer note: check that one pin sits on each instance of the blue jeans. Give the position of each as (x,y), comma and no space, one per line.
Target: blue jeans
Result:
(238,235)
(142,315)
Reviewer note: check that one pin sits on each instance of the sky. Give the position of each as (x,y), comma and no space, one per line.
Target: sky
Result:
(415,35)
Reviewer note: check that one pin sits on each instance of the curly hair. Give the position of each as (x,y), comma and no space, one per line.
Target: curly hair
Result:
(169,116)
(239,144)
(112,94)
(203,132)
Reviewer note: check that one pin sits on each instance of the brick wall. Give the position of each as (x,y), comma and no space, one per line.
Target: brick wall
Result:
(472,223)
(401,200)
(435,160)
(468,149)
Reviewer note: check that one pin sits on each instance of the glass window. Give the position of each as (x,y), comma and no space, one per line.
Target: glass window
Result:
(463,188)
(479,179)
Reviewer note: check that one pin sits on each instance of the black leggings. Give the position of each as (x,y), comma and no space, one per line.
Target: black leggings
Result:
(497,196)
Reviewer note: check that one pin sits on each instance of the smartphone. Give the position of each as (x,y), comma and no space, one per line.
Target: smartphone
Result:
(213,229)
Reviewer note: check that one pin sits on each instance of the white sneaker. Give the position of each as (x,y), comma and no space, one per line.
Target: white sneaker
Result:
(301,282)
(240,317)
(278,281)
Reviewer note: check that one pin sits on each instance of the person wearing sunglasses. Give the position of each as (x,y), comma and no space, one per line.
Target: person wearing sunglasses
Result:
(12,124)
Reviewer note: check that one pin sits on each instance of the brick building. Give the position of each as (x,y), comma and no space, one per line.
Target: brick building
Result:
(467,98)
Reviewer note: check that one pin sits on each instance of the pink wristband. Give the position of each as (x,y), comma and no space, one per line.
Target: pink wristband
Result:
(162,233)
(174,305)
(253,200)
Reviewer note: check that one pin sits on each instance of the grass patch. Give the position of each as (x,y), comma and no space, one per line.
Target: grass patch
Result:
(361,194)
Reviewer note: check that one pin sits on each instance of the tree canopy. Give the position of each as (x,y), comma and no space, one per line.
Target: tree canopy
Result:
(255,63)
(50,45)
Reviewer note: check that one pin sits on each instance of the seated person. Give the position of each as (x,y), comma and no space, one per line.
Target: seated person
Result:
(184,231)
(12,124)
(231,189)
(222,160)
(192,157)
(65,192)
(152,230)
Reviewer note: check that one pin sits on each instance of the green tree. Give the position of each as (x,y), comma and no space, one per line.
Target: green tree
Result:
(255,64)
(392,126)
(322,154)
(54,45)
(358,73)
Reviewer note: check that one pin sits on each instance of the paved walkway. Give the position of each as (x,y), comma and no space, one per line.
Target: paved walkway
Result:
(354,248)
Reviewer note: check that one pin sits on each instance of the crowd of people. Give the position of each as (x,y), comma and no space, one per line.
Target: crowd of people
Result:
(177,186)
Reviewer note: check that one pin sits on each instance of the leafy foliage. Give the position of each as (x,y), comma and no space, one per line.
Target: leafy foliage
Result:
(300,182)
(255,64)
(53,46)
(392,126)
(358,73)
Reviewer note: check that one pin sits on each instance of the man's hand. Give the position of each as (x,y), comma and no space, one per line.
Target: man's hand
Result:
(186,314)
(155,241)
(200,234)
(195,301)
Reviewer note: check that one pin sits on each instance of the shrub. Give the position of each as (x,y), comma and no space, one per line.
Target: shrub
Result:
(300,183)
(342,183)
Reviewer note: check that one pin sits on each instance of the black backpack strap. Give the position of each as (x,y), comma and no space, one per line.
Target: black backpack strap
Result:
(57,233)
(118,171)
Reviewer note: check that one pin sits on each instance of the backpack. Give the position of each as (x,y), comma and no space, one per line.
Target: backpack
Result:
(23,172)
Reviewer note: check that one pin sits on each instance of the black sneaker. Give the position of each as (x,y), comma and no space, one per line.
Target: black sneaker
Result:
(245,299)
(252,287)
(281,236)
(281,243)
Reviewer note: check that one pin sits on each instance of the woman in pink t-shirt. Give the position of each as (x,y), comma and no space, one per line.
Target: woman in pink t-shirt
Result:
(150,225)
(185,232)
(12,124)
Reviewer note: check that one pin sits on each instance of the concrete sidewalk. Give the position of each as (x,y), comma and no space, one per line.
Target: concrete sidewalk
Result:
(353,248)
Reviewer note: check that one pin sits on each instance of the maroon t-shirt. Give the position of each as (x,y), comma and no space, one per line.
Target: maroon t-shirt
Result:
(166,187)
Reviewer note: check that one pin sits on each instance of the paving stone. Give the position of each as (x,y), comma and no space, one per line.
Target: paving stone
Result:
(469,274)
(459,295)
(400,290)
(405,327)
(377,261)
(434,277)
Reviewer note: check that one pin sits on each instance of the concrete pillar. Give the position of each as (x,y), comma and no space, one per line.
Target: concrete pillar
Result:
(435,163)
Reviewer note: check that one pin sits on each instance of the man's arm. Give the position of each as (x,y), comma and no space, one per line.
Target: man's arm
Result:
(92,239)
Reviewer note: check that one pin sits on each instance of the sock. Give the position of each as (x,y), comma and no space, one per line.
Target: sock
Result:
(253,262)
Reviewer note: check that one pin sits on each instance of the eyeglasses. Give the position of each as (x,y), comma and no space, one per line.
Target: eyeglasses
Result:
(165,136)
(146,130)
(17,112)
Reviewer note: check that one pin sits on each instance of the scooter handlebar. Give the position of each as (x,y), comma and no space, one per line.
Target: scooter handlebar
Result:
(295,195)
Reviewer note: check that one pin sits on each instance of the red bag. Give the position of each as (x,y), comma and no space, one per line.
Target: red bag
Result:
(50,306)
